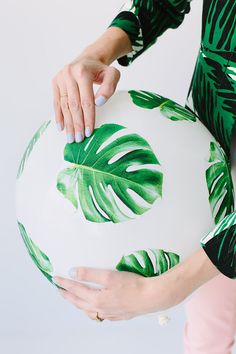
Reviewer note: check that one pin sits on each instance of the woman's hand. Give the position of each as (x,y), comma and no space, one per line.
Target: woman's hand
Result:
(74,100)
(125,295)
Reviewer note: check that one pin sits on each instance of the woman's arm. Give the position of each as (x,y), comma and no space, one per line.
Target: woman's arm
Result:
(125,295)
(112,44)
(134,29)
(145,21)
(183,279)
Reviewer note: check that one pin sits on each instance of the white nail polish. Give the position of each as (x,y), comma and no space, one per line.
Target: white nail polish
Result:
(87,132)
(72,272)
(59,127)
(100,100)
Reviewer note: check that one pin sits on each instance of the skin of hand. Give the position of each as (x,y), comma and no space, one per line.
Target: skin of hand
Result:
(73,95)
(124,295)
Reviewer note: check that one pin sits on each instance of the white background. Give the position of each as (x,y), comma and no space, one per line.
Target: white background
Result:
(38,38)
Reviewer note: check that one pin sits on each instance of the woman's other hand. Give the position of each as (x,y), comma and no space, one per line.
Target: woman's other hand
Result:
(125,295)
(74,99)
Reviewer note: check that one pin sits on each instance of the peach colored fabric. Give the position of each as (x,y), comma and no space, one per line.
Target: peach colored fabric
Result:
(210,326)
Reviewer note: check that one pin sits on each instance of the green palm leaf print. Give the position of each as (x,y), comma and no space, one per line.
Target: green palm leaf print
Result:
(149,5)
(39,258)
(149,263)
(219,183)
(169,108)
(220,245)
(30,146)
(94,181)
(218,25)
(213,91)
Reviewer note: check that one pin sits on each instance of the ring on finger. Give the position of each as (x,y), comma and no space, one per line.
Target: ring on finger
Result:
(98,318)
(64,95)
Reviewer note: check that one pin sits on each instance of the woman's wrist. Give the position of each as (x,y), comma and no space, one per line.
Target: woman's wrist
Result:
(113,44)
(180,281)
(197,269)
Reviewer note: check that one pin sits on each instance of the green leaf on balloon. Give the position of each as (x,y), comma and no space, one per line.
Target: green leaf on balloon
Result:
(169,108)
(149,263)
(30,146)
(219,183)
(106,189)
(40,259)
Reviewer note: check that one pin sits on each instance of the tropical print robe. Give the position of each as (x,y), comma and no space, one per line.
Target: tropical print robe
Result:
(212,92)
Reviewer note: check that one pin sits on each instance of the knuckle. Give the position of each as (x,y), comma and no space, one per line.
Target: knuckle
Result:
(114,70)
(81,70)
(67,69)
(86,104)
(117,73)
(73,104)
(110,89)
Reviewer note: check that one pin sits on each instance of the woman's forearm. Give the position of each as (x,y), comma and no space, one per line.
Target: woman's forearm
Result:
(180,281)
(112,44)
(197,269)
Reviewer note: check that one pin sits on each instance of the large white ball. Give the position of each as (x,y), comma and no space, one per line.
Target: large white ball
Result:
(146,185)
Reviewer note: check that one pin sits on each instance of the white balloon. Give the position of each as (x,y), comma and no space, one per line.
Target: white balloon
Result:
(174,222)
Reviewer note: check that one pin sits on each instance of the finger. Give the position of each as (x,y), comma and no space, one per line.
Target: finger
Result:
(91,315)
(74,300)
(66,112)
(99,276)
(74,287)
(57,108)
(75,109)
(109,79)
(87,103)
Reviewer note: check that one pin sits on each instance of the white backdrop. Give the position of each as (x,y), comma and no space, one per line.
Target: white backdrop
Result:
(37,38)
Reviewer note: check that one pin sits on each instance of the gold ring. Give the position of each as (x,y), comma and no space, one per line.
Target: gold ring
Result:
(99,318)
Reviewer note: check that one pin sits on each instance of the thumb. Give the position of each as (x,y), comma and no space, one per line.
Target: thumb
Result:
(110,78)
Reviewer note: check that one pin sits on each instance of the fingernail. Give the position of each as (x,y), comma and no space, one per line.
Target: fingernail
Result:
(59,127)
(78,137)
(100,100)
(70,138)
(87,132)
(72,272)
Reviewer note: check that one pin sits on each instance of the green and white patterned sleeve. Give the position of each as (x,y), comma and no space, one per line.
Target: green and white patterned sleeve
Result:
(220,245)
(145,20)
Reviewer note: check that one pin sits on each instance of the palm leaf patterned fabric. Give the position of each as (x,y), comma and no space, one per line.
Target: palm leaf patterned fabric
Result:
(145,20)
(212,91)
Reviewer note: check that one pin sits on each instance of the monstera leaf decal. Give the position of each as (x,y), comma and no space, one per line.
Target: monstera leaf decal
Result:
(100,185)
(169,108)
(149,263)
(40,259)
(29,148)
(219,182)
